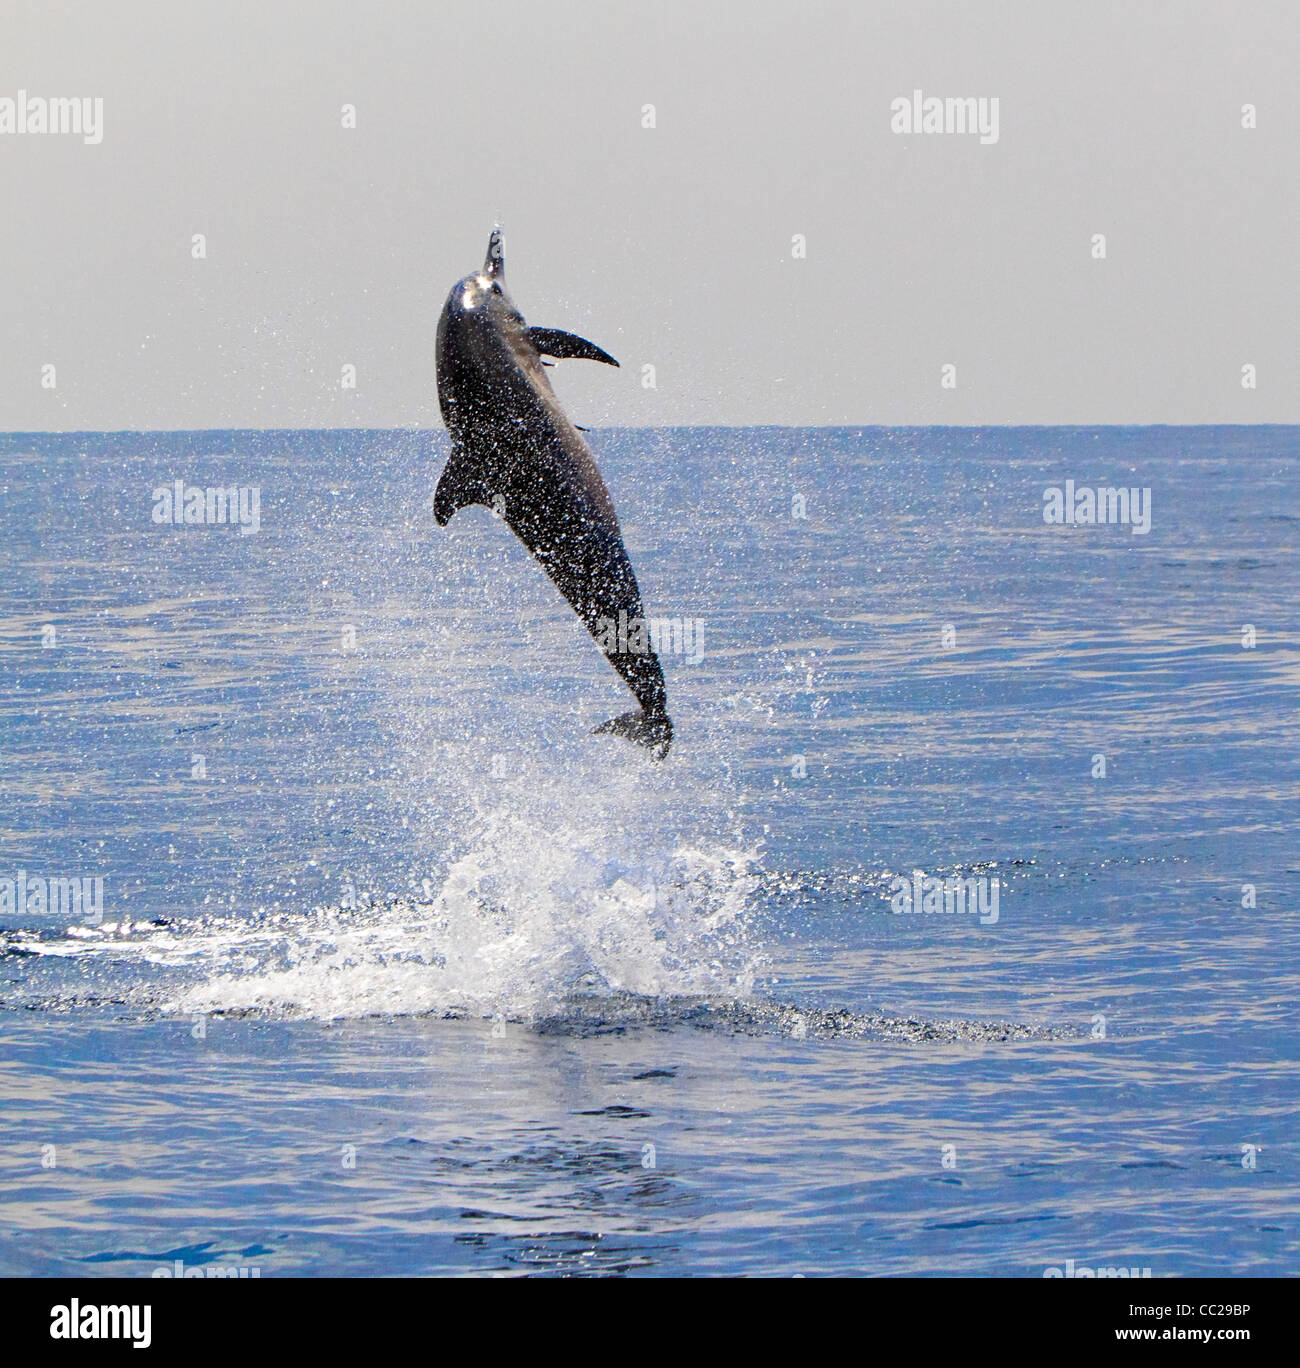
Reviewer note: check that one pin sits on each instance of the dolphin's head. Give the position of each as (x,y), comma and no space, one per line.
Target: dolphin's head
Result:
(484,292)
(481,338)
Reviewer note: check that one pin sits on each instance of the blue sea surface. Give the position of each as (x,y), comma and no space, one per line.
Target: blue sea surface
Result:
(399,969)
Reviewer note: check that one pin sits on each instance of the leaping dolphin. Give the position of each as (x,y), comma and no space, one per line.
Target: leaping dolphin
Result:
(514,450)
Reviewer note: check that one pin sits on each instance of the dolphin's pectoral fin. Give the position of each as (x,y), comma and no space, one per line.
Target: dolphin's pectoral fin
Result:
(461,484)
(567,346)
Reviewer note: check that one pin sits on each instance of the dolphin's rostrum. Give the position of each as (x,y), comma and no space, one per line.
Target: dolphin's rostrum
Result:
(514,450)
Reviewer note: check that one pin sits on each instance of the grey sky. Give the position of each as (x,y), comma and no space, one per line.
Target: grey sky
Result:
(668,246)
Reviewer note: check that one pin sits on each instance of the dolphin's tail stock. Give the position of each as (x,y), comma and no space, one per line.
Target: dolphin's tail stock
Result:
(654,731)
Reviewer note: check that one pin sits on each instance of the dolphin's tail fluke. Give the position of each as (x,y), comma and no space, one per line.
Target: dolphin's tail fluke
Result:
(653,731)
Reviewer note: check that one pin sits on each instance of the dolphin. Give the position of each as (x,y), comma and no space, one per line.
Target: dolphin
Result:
(515,451)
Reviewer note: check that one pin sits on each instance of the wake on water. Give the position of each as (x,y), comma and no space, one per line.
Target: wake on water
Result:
(572,905)
(562,888)
(530,914)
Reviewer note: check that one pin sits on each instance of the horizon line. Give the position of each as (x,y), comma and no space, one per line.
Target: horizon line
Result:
(654,427)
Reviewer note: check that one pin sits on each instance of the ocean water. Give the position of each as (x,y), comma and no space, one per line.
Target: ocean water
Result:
(398,969)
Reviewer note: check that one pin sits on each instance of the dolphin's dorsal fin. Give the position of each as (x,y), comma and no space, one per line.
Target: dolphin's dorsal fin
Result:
(567,346)
(494,264)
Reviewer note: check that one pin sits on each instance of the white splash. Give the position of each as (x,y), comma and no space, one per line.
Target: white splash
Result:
(542,904)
